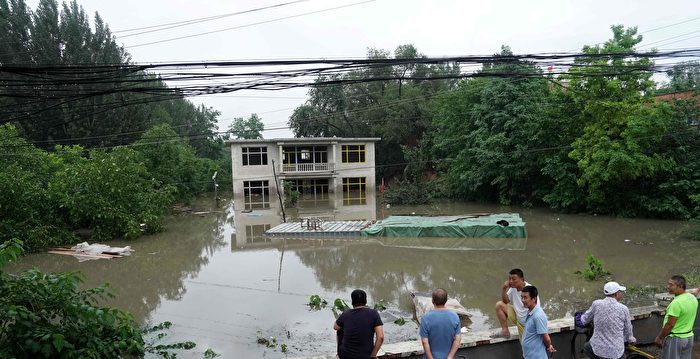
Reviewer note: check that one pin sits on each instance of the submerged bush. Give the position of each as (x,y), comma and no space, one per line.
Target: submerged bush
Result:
(111,192)
(595,269)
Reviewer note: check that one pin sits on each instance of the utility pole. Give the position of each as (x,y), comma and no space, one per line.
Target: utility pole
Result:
(279,195)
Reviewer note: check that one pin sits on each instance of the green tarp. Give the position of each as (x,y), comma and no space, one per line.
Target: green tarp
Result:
(465,226)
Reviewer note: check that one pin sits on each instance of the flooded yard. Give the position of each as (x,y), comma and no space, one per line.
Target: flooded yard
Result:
(224,285)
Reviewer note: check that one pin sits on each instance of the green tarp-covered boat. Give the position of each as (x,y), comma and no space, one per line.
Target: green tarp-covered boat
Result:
(503,225)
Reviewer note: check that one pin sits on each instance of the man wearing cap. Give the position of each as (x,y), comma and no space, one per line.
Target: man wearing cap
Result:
(359,326)
(612,324)
(676,336)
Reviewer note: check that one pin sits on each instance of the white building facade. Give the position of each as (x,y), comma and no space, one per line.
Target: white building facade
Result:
(319,168)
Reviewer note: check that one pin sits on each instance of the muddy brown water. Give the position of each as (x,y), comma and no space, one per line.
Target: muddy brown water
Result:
(223,285)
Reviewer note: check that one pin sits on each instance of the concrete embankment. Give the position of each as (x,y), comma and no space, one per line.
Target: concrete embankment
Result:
(646,322)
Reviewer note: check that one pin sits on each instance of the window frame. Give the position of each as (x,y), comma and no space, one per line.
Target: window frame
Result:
(249,152)
(348,198)
(359,150)
(264,187)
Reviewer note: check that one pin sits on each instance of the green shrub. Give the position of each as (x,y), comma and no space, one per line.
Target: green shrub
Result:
(595,269)
(47,315)
(112,192)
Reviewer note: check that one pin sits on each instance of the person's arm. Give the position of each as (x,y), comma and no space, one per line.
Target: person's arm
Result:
(587,317)
(426,348)
(548,343)
(504,293)
(628,328)
(336,327)
(455,345)
(379,333)
(665,330)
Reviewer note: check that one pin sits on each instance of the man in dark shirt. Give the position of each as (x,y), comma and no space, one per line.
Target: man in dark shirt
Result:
(359,326)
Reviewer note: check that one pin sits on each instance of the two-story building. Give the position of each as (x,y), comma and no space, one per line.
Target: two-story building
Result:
(320,169)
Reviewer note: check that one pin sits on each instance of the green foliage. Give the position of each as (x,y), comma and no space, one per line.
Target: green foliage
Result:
(270,343)
(248,129)
(395,108)
(400,322)
(379,307)
(316,303)
(340,305)
(173,162)
(413,188)
(595,269)
(210,354)
(112,192)
(291,197)
(486,131)
(684,77)
(9,251)
(63,35)
(47,315)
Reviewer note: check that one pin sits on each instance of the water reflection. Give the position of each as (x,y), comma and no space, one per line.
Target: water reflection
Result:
(250,226)
(224,295)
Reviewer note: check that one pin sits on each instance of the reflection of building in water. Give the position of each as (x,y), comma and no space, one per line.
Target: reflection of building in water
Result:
(334,177)
(250,226)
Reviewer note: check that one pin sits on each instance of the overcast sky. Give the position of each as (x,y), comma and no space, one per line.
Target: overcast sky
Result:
(436,28)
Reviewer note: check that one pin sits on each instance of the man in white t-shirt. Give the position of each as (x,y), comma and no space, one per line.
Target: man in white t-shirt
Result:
(510,307)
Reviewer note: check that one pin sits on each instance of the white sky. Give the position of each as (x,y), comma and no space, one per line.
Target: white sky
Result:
(436,28)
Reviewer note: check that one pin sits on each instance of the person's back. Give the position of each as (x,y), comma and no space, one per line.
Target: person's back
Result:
(440,327)
(609,322)
(358,332)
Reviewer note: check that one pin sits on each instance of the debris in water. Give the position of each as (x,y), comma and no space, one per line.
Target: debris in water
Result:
(400,321)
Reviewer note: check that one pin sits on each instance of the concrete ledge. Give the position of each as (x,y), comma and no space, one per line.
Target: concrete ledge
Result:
(645,320)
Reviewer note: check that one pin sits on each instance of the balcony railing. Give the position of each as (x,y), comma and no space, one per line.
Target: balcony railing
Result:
(307,167)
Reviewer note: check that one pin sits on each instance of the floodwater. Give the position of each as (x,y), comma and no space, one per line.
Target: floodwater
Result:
(223,285)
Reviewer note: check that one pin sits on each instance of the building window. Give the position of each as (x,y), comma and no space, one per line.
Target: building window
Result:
(256,233)
(311,191)
(354,191)
(353,153)
(305,154)
(254,156)
(256,194)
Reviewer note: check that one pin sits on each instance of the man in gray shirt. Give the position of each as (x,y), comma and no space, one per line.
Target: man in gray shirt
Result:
(612,324)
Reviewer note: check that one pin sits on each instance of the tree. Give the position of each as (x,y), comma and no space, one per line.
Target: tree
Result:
(390,102)
(684,77)
(248,129)
(486,131)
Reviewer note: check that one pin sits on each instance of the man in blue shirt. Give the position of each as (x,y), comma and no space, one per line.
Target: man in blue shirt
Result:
(439,329)
(536,341)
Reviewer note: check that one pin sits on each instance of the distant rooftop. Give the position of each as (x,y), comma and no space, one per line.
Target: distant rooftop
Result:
(307,140)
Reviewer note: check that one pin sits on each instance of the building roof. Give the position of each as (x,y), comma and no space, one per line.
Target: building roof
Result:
(310,140)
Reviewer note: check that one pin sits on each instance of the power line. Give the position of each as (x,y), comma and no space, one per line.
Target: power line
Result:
(249,25)
(670,25)
(172,25)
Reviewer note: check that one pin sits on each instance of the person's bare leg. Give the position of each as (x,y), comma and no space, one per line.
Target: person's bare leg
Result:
(502,314)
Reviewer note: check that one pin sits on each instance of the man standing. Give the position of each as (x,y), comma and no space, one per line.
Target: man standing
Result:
(359,325)
(510,307)
(439,329)
(676,336)
(612,324)
(536,341)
